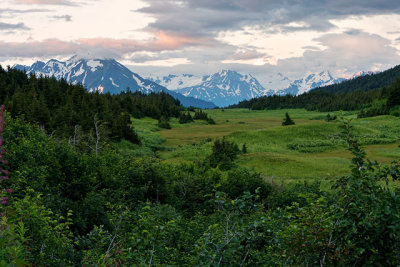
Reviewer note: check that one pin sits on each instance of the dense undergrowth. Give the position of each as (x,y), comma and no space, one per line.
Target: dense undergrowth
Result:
(74,207)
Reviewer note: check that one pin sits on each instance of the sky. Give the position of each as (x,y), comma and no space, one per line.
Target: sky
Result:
(159,37)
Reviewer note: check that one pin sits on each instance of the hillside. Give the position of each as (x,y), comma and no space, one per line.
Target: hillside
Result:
(370,81)
(354,94)
(63,109)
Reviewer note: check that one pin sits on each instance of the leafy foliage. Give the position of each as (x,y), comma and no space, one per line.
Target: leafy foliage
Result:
(223,154)
(185,117)
(201,115)
(70,207)
(163,122)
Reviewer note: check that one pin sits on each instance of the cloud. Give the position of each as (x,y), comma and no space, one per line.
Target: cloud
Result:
(67,18)
(10,26)
(161,42)
(46,48)
(104,47)
(45,2)
(22,11)
(246,54)
(351,51)
(209,16)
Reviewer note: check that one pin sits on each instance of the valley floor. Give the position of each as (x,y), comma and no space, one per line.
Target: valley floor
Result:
(311,149)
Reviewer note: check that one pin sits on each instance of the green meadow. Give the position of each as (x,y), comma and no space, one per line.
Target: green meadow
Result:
(311,149)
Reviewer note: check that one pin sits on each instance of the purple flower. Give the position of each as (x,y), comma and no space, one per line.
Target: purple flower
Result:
(4,201)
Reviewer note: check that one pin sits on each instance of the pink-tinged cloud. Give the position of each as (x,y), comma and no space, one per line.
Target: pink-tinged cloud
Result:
(247,55)
(164,41)
(44,2)
(49,47)
(101,46)
(161,42)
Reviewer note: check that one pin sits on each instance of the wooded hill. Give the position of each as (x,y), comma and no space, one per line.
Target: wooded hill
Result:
(364,83)
(62,108)
(353,94)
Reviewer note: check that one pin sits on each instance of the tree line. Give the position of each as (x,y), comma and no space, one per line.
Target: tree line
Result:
(355,94)
(60,107)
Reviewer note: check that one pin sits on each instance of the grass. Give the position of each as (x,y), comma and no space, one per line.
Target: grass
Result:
(311,149)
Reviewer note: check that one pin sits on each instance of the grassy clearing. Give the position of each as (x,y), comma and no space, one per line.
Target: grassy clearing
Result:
(311,149)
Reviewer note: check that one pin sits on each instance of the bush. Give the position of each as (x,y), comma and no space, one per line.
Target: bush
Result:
(185,118)
(330,118)
(223,154)
(376,108)
(210,120)
(200,115)
(395,111)
(163,122)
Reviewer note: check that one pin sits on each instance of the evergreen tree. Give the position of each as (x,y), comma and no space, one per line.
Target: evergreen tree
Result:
(394,96)
(244,149)
(287,120)
(223,154)
(185,118)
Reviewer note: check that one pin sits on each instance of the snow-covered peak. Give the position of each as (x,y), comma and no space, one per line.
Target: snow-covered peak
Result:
(307,83)
(363,73)
(223,88)
(175,82)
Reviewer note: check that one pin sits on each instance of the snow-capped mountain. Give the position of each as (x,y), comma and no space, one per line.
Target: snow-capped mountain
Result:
(224,88)
(228,87)
(275,82)
(175,82)
(309,82)
(363,73)
(104,76)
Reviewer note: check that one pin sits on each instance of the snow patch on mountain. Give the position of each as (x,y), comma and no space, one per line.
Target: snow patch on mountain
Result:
(94,64)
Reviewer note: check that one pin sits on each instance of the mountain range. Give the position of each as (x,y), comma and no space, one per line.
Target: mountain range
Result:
(223,88)
(229,87)
(105,76)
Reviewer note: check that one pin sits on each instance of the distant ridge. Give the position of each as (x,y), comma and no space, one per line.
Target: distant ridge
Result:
(229,87)
(365,82)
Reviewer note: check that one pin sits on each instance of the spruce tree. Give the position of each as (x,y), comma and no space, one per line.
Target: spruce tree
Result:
(287,120)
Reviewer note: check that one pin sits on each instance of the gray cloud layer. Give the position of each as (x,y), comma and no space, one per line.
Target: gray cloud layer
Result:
(10,26)
(188,29)
(63,17)
(205,17)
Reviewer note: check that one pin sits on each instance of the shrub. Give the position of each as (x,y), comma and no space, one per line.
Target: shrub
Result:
(163,122)
(185,118)
(330,118)
(223,154)
(376,108)
(210,120)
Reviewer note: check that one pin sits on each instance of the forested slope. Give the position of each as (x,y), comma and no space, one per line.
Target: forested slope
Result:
(353,94)
(62,108)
